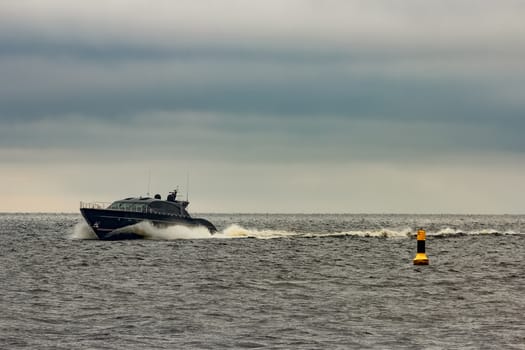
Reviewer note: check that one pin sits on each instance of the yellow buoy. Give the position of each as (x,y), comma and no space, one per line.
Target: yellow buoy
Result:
(421,257)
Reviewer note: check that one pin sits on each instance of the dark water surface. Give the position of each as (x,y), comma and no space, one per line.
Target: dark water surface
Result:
(299,282)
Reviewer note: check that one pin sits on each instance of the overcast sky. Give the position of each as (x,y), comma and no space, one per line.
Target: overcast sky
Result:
(270,106)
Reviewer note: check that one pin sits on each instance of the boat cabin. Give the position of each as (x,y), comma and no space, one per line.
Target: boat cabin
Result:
(155,205)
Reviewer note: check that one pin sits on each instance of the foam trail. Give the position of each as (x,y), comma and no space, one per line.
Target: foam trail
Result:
(381,233)
(450,232)
(83,231)
(234,231)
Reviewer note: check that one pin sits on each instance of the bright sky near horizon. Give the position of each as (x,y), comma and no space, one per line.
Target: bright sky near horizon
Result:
(343,106)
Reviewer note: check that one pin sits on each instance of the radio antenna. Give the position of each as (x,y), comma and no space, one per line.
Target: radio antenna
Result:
(187,185)
(149,180)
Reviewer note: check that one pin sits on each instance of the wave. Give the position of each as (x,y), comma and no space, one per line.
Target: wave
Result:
(452,232)
(234,231)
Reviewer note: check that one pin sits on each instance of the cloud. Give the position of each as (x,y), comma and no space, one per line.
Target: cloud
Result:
(434,23)
(356,59)
(183,136)
(281,94)
(353,89)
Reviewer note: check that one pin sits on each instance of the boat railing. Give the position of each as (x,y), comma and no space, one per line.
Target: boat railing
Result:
(94,205)
(135,208)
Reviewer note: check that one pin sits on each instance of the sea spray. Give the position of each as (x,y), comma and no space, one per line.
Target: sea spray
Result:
(149,231)
(83,231)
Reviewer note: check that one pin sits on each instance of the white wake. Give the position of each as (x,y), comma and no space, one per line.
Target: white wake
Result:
(235,231)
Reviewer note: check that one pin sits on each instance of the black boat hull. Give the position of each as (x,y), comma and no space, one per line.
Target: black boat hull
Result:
(116,224)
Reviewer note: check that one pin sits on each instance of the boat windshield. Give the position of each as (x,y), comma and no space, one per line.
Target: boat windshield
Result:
(165,207)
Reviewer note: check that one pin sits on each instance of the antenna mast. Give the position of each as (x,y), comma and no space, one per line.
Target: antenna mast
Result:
(149,180)
(187,185)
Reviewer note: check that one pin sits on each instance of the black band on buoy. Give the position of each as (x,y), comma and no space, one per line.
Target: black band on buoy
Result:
(421,246)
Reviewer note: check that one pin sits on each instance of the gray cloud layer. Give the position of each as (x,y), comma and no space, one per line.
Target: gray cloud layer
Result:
(274,82)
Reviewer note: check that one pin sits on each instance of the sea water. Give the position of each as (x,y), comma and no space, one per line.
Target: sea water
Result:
(264,281)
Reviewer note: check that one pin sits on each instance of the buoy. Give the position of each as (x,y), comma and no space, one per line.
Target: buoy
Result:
(421,257)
